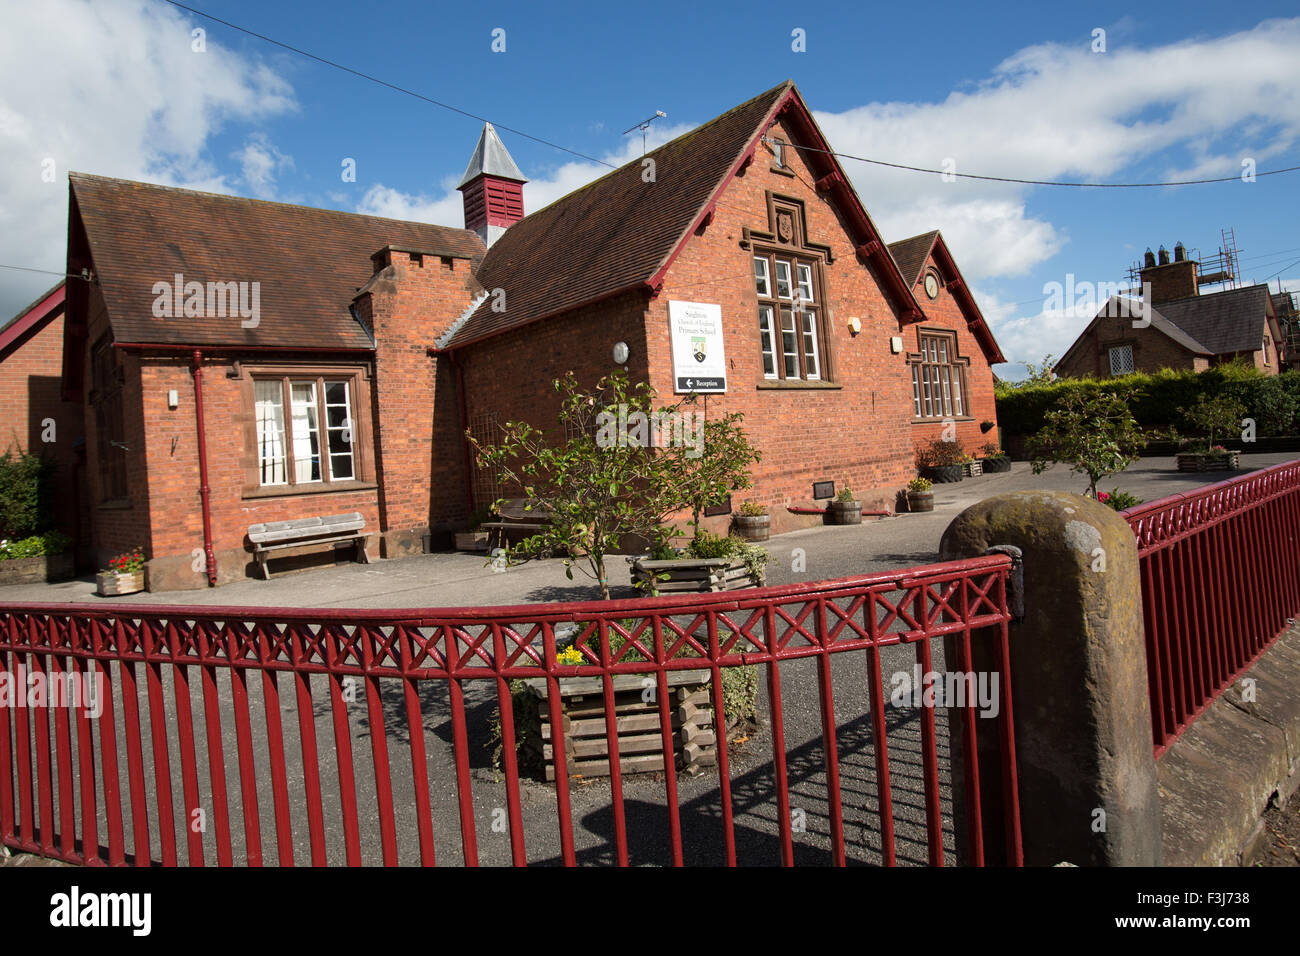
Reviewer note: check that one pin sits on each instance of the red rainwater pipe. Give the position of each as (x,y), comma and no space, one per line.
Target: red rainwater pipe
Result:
(209,559)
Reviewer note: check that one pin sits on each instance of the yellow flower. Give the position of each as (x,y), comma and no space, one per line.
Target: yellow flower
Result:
(570,656)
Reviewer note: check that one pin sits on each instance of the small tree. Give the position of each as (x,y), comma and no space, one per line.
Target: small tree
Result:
(1222,415)
(616,473)
(1095,434)
(720,467)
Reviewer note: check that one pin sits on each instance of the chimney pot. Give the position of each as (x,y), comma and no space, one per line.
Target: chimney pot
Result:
(1150,258)
(1180,253)
(1164,256)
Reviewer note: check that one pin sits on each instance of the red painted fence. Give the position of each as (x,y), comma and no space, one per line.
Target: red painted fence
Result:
(1220,581)
(91,791)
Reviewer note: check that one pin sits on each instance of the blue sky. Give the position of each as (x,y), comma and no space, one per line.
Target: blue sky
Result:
(1180,92)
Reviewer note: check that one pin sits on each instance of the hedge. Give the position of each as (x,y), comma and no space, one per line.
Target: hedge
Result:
(25,491)
(1161,399)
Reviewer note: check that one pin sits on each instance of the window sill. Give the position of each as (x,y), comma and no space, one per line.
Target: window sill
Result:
(117,504)
(784,171)
(940,421)
(796,384)
(297,491)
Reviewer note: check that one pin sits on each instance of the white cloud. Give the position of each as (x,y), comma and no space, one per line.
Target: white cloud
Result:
(260,162)
(114,89)
(1053,111)
(446,207)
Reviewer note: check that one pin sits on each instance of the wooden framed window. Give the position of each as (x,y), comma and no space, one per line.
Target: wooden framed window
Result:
(938,377)
(789,316)
(308,431)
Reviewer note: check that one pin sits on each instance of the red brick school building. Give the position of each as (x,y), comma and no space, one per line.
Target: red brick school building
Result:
(238,361)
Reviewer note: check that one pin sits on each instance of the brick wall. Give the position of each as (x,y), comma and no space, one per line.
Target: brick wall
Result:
(31,377)
(943,312)
(409,303)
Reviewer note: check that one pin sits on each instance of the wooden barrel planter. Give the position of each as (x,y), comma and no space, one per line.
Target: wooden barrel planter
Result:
(844,512)
(693,574)
(943,474)
(753,527)
(1208,461)
(920,501)
(997,465)
(581,739)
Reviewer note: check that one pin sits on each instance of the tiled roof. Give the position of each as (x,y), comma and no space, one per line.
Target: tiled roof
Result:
(614,233)
(910,254)
(309,262)
(1228,321)
(35,315)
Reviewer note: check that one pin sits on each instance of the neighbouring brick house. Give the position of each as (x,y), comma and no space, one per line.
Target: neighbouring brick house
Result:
(1186,330)
(36,417)
(346,379)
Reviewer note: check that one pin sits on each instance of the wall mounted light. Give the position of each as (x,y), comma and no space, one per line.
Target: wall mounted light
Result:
(173,399)
(855,325)
(620,352)
(895,344)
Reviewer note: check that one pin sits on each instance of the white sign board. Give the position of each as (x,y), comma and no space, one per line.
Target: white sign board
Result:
(699,362)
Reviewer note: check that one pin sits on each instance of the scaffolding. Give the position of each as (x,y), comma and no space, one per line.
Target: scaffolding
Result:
(1220,268)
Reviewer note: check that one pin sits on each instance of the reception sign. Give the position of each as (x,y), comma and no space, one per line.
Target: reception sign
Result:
(699,362)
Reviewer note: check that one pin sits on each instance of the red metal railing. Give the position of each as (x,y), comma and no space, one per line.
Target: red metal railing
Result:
(420,679)
(1220,581)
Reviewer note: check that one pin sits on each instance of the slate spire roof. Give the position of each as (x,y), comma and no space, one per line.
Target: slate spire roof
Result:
(491,158)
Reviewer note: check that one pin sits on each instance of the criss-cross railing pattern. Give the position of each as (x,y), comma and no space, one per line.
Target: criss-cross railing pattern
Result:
(81,784)
(1220,581)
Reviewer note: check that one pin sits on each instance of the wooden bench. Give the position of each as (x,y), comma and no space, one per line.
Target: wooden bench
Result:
(515,516)
(327,529)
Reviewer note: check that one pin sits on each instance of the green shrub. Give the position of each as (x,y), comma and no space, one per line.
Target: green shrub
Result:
(25,495)
(52,542)
(1161,400)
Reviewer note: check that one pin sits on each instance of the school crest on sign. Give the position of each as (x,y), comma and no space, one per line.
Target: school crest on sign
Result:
(699,348)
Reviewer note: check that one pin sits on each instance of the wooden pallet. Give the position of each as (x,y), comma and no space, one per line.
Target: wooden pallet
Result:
(582,737)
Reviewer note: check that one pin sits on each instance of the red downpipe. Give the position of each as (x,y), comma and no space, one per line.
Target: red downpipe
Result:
(210,559)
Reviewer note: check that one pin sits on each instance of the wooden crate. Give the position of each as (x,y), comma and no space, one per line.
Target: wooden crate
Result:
(582,737)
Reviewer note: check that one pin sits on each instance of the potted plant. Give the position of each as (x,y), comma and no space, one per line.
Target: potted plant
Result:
(1118,500)
(40,557)
(995,459)
(709,562)
(920,495)
(472,538)
(940,461)
(752,522)
(124,575)
(971,467)
(845,509)
(1211,416)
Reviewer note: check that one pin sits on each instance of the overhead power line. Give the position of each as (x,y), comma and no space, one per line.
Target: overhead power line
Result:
(545,142)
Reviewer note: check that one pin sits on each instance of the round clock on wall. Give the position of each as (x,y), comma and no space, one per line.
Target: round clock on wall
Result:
(932,285)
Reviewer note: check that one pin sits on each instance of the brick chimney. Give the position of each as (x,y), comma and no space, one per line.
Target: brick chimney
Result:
(1171,280)
(493,188)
